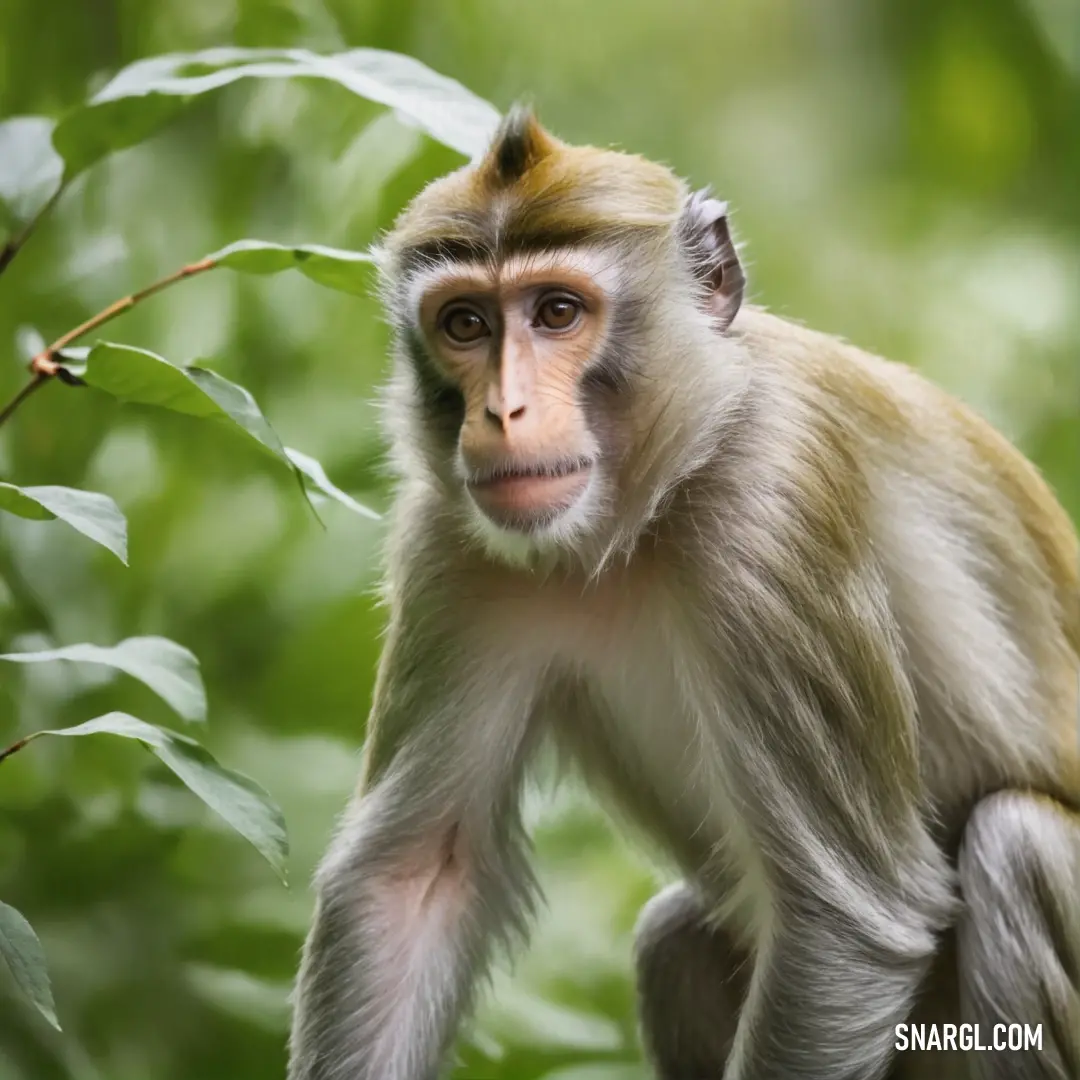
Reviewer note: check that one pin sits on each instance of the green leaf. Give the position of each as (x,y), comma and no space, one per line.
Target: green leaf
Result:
(22,951)
(144,378)
(170,670)
(235,797)
(30,169)
(346,271)
(91,513)
(144,96)
(317,475)
(238,405)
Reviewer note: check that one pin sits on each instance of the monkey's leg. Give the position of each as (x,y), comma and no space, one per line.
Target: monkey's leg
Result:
(1019,935)
(691,981)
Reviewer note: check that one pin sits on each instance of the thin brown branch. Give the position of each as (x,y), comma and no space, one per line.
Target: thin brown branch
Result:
(15,243)
(22,395)
(15,747)
(45,365)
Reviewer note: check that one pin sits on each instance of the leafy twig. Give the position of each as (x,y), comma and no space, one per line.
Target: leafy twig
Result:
(44,366)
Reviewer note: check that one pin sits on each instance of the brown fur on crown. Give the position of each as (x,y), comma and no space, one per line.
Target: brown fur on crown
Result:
(532,190)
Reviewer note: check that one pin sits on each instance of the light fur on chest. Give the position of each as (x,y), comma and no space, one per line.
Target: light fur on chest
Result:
(646,724)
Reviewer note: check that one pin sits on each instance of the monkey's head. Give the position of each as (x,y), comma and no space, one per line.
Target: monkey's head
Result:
(554,306)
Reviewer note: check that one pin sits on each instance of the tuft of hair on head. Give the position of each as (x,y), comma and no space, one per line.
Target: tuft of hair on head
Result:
(531,189)
(519,144)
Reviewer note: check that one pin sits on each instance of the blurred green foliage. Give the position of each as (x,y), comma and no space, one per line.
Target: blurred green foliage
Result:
(904,173)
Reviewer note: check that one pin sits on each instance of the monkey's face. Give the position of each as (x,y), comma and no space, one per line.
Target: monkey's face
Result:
(544,299)
(517,342)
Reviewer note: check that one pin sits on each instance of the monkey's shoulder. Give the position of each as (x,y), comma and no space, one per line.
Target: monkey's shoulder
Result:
(888,408)
(890,422)
(830,373)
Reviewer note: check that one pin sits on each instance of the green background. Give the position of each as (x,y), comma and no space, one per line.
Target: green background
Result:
(905,174)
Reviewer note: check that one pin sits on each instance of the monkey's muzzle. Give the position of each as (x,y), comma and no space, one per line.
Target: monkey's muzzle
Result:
(528,496)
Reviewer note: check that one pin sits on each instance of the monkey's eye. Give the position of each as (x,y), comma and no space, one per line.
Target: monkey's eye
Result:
(463,325)
(558,313)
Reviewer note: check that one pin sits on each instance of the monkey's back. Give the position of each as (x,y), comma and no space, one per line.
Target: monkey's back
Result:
(982,562)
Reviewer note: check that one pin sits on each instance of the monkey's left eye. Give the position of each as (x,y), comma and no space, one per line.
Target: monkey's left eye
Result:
(558,313)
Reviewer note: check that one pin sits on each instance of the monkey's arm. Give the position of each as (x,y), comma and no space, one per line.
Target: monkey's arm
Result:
(825,762)
(852,935)
(428,867)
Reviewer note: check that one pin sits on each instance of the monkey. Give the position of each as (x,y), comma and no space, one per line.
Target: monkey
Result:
(803,620)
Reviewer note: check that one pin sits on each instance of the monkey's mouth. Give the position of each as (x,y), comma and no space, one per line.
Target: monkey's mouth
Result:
(524,494)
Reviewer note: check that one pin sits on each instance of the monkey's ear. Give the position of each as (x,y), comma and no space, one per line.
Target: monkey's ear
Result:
(704,233)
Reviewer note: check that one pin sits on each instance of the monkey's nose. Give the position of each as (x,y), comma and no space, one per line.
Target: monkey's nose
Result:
(503,416)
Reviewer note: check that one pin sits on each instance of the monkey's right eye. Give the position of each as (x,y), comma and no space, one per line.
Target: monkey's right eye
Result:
(463,325)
